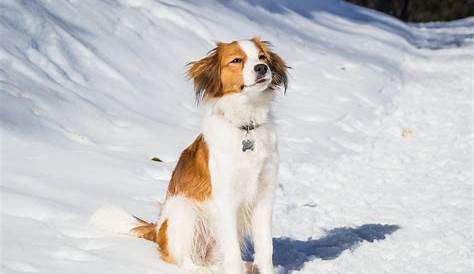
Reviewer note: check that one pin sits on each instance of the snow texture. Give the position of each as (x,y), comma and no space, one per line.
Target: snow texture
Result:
(375,132)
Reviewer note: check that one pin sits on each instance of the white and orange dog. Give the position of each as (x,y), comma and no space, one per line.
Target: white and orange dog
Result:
(221,190)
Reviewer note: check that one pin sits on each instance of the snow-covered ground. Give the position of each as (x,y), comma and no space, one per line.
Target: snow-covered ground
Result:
(376,131)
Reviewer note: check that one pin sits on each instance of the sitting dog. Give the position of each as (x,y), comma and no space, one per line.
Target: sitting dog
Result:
(222,188)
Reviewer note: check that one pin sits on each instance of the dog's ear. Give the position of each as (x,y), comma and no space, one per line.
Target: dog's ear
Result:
(275,62)
(206,75)
(279,70)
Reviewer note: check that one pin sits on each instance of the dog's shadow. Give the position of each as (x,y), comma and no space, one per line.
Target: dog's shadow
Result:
(290,254)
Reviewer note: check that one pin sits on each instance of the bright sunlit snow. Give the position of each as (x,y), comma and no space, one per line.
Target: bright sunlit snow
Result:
(375,131)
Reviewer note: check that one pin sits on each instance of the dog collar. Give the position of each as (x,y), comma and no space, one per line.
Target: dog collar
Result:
(250,126)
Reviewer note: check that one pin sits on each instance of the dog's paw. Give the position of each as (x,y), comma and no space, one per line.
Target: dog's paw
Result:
(250,268)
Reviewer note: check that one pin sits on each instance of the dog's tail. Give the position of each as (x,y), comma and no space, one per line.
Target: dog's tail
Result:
(117,220)
(145,230)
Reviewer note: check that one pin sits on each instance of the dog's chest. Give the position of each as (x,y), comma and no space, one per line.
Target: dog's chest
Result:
(238,156)
(230,143)
(229,164)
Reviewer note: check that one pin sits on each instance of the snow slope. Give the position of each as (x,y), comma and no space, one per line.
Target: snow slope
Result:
(375,131)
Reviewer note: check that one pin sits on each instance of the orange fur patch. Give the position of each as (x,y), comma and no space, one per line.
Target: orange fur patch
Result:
(145,230)
(205,74)
(215,75)
(231,73)
(191,176)
(162,241)
(148,232)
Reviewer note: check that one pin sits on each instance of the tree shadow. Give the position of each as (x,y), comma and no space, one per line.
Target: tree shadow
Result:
(291,254)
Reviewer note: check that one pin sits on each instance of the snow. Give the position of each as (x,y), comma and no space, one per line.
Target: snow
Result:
(375,131)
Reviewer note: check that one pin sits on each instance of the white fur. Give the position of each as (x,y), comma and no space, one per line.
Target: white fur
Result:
(242,182)
(113,219)
(180,213)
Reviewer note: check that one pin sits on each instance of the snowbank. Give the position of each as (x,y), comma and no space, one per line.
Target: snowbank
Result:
(375,129)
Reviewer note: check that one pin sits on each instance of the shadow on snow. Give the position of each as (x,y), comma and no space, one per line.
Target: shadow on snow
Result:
(292,254)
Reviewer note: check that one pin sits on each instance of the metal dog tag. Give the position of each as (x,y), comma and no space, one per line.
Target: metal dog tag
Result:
(248,144)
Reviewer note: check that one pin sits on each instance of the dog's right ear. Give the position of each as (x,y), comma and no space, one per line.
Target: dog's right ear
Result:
(206,75)
(278,67)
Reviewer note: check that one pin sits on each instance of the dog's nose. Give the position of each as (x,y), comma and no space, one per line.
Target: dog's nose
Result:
(261,69)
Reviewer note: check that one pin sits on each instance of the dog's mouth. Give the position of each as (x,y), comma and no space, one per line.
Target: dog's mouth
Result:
(261,80)
(258,81)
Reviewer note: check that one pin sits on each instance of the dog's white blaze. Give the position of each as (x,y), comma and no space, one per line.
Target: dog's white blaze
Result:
(248,72)
(252,59)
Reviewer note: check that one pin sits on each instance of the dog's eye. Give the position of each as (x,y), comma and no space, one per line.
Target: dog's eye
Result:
(236,61)
(262,57)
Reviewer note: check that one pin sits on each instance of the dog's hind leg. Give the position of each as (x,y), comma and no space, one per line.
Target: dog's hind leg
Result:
(185,236)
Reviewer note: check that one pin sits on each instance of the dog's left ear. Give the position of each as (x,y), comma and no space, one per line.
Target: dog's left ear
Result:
(275,62)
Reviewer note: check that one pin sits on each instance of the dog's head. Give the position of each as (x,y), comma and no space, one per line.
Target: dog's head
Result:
(238,67)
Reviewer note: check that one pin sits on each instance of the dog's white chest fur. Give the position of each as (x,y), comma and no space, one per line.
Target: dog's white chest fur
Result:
(234,173)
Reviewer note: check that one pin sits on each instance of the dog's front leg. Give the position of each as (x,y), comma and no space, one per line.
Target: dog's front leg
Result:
(227,235)
(262,237)
(262,219)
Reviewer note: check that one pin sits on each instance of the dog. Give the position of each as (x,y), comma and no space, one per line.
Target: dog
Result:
(221,190)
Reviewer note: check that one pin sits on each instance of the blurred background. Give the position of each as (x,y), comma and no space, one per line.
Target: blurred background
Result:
(421,10)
